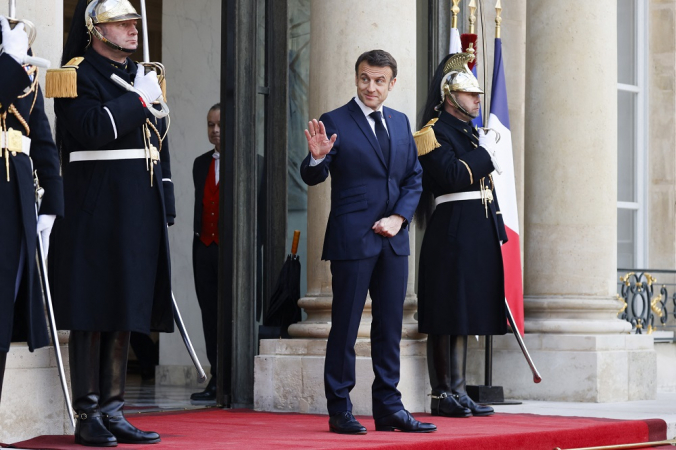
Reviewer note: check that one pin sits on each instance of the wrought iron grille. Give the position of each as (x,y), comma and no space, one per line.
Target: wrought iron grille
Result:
(646,301)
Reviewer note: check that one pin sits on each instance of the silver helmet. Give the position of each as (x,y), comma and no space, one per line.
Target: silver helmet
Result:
(458,78)
(109,11)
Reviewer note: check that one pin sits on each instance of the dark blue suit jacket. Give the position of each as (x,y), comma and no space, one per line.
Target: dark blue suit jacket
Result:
(364,189)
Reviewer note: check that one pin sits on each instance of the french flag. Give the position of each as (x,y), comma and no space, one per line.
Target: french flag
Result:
(505,186)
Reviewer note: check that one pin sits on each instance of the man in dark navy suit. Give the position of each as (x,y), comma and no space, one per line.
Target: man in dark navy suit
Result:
(375,188)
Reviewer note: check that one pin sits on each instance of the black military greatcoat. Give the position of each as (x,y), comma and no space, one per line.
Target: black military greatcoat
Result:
(25,320)
(110,267)
(460,279)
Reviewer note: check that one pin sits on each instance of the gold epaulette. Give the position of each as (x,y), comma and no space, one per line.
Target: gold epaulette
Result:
(425,139)
(62,82)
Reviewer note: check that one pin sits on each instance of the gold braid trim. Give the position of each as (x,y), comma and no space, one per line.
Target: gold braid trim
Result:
(33,90)
(35,98)
(16,113)
(157,133)
(471,176)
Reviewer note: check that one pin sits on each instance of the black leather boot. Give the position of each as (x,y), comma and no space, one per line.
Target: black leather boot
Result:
(114,352)
(3,361)
(458,368)
(439,367)
(83,350)
(208,394)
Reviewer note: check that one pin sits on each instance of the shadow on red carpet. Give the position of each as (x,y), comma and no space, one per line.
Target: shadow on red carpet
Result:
(246,429)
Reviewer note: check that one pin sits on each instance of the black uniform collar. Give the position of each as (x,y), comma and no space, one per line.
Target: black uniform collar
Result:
(126,70)
(465,128)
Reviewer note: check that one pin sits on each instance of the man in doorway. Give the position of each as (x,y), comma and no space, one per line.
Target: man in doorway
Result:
(205,175)
(368,150)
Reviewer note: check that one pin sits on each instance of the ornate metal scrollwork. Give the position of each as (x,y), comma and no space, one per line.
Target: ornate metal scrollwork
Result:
(641,306)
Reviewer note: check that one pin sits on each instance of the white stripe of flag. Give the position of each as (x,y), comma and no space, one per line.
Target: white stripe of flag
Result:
(505,186)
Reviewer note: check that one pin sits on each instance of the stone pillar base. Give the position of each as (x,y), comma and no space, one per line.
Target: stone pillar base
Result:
(32,398)
(574,367)
(289,376)
(318,322)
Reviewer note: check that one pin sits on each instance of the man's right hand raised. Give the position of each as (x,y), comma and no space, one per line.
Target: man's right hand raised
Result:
(318,143)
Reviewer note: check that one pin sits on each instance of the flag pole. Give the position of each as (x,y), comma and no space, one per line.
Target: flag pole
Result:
(483,56)
(498,19)
(455,9)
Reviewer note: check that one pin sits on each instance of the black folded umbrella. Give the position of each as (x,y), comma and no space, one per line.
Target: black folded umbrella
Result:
(284,309)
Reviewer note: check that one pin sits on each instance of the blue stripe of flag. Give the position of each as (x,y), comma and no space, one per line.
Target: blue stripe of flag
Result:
(499,89)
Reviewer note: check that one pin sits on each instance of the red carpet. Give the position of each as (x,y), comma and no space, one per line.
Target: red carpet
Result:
(246,429)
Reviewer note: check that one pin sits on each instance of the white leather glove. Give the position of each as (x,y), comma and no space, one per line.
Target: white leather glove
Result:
(147,85)
(14,42)
(45,224)
(488,142)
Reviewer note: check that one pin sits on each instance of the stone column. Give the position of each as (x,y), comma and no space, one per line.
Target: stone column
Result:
(570,216)
(289,372)
(571,168)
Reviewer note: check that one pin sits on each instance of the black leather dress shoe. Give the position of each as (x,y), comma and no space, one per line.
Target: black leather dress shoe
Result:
(477,410)
(446,405)
(403,421)
(345,423)
(208,394)
(127,433)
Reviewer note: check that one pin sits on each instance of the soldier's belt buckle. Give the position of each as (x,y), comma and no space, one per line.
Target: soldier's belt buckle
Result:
(13,141)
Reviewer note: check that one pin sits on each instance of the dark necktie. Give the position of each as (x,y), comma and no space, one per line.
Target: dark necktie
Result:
(383,137)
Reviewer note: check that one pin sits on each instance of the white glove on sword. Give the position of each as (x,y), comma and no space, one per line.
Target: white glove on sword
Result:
(45,224)
(15,44)
(146,86)
(488,141)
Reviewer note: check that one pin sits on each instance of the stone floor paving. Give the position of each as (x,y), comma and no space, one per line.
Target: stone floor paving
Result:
(148,397)
(663,407)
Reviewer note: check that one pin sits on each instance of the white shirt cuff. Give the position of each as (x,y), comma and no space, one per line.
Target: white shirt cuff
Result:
(315,162)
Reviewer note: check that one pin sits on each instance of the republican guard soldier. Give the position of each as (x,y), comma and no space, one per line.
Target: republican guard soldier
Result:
(110,269)
(27,153)
(460,278)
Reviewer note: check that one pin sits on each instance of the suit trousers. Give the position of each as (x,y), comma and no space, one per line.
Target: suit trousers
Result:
(205,269)
(385,276)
